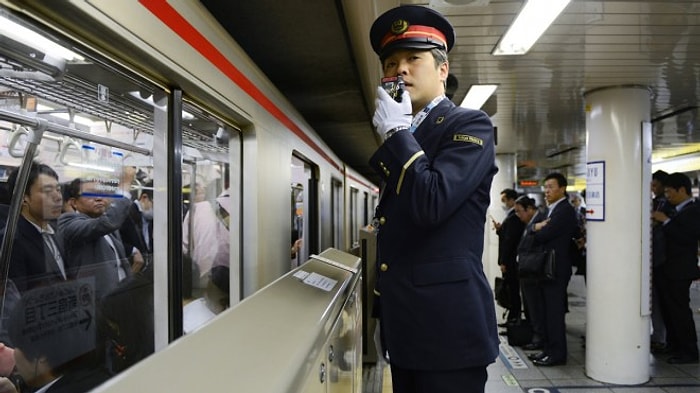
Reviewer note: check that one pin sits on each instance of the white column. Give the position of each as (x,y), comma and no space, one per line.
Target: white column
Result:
(617,322)
(505,178)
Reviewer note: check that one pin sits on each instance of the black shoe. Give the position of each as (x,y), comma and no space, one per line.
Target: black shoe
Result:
(537,356)
(548,361)
(661,349)
(532,346)
(683,359)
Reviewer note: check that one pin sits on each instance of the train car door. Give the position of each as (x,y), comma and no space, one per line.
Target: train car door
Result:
(304,211)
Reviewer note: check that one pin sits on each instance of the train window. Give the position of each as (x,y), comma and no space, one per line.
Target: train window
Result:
(209,229)
(336,210)
(365,209)
(77,166)
(304,210)
(87,238)
(354,217)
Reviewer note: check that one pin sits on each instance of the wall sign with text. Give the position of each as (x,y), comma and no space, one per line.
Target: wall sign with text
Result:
(595,191)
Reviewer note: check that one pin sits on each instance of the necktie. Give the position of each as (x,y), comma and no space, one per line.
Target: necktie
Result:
(51,245)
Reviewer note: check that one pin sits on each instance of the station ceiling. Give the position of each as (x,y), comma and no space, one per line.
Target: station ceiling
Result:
(318,55)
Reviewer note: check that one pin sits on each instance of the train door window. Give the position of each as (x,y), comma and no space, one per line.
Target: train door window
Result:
(354,215)
(304,206)
(365,209)
(78,132)
(336,212)
(210,229)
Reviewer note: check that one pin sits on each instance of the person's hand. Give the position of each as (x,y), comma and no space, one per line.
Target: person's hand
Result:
(391,114)
(6,386)
(659,216)
(128,176)
(7,360)
(137,261)
(541,224)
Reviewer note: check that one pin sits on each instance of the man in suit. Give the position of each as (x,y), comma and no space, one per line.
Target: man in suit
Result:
(137,230)
(509,233)
(658,253)
(436,308)
(555,233)
(91,233)
(526,210)
(37,258)
(682,233)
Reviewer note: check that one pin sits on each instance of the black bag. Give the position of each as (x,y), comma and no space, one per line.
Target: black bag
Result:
(538,265)
(519,334)
(501,293)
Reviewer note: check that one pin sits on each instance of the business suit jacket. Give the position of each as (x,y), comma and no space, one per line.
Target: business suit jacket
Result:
(131,232)
(89,251)
(682,233)
(557,235)
(508,238)
(436,306)
(32,263)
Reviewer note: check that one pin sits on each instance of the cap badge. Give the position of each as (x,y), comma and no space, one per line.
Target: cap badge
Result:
(399,26)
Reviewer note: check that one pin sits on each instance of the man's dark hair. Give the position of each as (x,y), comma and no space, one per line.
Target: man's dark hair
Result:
(526,202)
(679,180)
(148,189)
(35,170)
(660,176)
(510,193)
(561,179)
(74,188)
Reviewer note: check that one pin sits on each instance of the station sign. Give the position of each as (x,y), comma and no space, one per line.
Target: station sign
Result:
(595,191)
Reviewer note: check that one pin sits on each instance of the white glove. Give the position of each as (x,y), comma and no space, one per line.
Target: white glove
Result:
(391,114)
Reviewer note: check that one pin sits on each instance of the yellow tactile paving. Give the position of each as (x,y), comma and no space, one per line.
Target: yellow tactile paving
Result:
(386,381)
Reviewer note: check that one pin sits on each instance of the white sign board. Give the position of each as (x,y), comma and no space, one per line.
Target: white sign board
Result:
(595,191)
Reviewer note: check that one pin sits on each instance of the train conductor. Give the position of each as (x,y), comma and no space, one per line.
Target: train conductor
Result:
(436,307)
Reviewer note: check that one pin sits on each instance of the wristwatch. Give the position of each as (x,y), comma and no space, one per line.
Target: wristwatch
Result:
(394,131)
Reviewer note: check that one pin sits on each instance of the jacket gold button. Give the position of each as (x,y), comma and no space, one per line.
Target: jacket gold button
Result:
(382,221)
(383,267)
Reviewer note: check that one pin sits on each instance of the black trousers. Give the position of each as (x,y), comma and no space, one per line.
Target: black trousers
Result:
(552,295)
(681,336)
(465,380)
(511,277)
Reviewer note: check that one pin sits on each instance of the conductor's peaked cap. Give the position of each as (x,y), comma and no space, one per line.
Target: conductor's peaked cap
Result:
(411,26)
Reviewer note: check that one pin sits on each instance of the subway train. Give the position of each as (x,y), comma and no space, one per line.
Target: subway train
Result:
(242,190)
(258,274)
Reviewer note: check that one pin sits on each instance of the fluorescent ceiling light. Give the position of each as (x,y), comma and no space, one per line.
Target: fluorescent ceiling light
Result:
(32,39)
(77,119)
(534,18)
(682,163)
(477,96)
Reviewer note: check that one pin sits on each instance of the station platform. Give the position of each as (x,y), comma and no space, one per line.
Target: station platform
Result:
(513,372)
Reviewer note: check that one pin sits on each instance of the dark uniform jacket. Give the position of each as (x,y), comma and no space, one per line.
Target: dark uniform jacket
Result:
(436,306)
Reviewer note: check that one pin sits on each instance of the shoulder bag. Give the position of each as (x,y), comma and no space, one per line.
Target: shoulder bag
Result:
(537,265)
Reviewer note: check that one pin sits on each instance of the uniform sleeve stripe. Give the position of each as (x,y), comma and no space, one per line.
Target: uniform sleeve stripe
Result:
(406,166)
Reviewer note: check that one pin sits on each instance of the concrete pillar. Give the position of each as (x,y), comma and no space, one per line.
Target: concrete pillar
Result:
(618,234)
